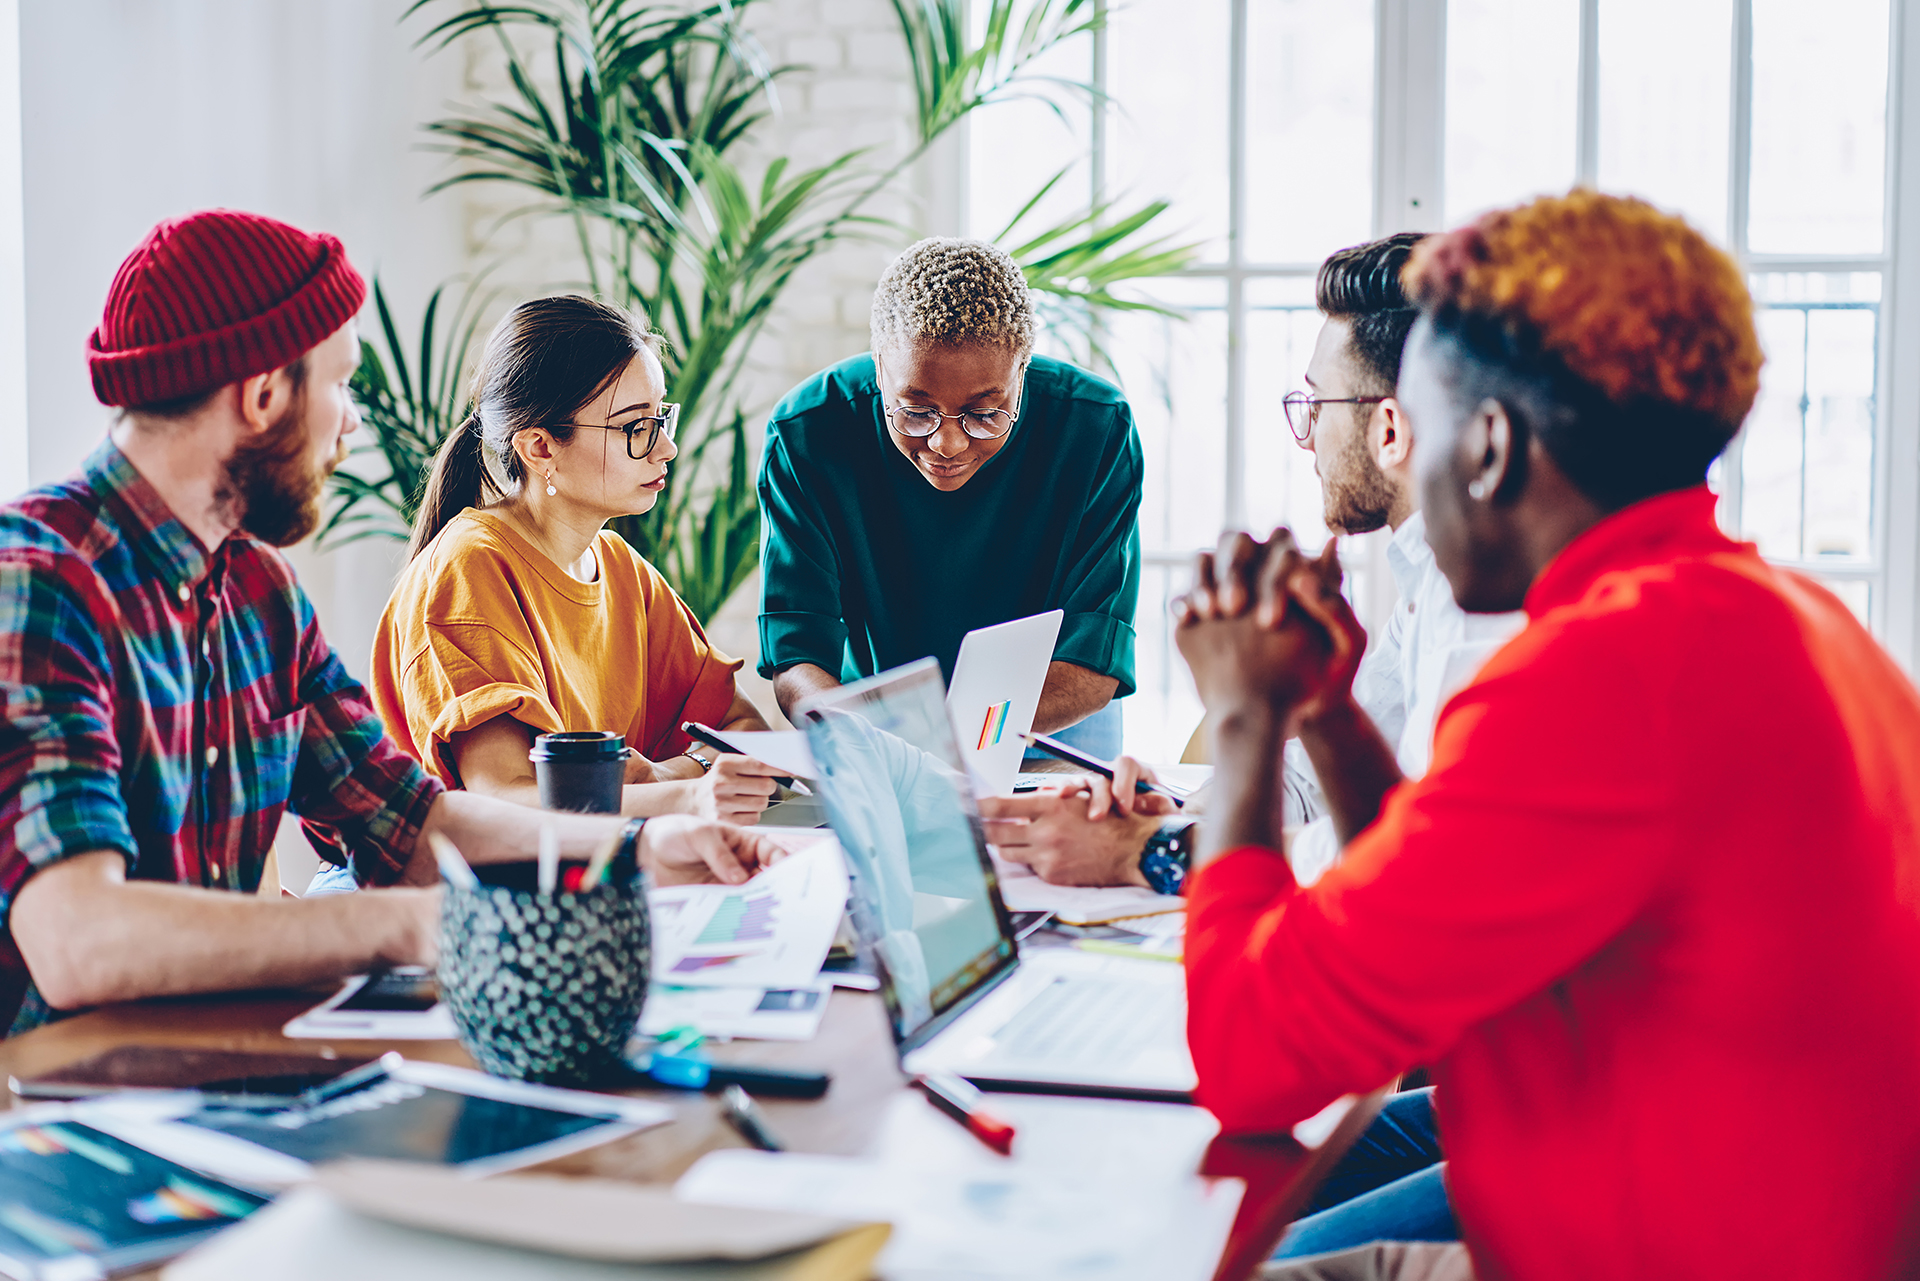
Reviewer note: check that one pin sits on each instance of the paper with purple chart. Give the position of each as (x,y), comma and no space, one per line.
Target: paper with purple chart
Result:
(772,932)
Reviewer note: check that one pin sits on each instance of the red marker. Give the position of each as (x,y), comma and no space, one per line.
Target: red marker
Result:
(961,1101)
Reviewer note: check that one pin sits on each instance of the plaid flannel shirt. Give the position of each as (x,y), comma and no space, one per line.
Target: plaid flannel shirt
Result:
(171,704)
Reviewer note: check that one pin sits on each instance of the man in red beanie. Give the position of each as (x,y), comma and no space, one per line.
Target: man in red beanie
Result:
(168,694)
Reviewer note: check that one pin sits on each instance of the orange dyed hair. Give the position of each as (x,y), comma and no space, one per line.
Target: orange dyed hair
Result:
(1632,300)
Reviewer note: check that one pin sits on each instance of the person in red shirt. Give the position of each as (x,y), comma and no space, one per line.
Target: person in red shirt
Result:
(1650,916)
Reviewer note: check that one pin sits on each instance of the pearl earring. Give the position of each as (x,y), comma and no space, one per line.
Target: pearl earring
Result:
(1475,489)
(551,491)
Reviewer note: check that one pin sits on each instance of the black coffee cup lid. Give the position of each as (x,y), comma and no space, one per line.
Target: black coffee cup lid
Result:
(579,745)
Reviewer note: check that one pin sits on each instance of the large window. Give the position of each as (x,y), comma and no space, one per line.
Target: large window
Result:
(1284,129)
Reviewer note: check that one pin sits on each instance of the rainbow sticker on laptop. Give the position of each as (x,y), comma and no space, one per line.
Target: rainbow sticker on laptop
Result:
(995,726)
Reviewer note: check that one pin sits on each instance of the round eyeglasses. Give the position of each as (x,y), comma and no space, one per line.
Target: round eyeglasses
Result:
(643,434)
(920,422)
(1303,410)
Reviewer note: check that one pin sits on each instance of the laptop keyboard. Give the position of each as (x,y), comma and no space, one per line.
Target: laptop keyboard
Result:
(1092,1022)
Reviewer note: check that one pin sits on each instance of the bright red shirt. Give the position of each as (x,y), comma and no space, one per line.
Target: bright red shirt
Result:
(1651,918)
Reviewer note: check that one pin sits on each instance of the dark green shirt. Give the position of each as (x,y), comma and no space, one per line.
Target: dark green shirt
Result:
(865,566)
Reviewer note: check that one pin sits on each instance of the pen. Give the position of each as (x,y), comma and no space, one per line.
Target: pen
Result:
(743,1115)
(549,857)
(691,1072)
(961,1101)
(695,730)
(1054,747)
(452,867)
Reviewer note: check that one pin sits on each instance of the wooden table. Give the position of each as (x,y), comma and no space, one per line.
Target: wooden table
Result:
(853,1044)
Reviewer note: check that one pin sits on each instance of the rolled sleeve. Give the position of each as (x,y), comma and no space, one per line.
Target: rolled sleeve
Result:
(59,756)
(1101,643)
(1102,569)
(802,616)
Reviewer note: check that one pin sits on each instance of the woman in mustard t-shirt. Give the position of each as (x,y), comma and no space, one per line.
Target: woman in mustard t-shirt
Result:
(519,613)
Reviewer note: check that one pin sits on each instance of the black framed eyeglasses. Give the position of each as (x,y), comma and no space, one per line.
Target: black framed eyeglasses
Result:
(919,422)
(1303,410)
(643,434)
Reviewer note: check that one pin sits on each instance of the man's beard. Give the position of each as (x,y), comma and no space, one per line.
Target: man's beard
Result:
(272,487)
(1357,493)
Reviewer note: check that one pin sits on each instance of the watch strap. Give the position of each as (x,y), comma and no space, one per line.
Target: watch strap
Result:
(1168,856)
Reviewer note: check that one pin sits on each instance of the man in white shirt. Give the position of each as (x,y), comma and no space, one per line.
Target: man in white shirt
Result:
(1427,649)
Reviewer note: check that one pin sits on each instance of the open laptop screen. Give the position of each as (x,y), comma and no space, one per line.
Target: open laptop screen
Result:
(924,899)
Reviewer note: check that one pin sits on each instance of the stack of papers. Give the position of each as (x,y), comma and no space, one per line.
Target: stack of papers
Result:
(381,1222)
(1024,891)
(744,960)
(1017,1220)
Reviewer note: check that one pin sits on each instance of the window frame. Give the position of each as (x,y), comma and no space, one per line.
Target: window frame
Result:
(1408,164)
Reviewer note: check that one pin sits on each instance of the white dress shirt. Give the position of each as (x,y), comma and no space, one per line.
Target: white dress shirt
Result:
(1425,653)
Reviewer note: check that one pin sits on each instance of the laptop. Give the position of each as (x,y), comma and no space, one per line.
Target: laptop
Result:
(997,679)
(929,917)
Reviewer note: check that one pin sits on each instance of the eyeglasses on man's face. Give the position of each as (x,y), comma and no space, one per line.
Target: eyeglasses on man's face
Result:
(644,433)
(919,421)
(1303,410)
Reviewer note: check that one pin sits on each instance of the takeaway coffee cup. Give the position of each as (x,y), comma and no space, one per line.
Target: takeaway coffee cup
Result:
(580,771)
(545,987)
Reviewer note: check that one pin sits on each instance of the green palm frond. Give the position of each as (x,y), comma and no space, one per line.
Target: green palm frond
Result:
(953,75)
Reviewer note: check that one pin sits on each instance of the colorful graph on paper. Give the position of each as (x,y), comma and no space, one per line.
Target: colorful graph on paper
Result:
(739,919)
(695,964)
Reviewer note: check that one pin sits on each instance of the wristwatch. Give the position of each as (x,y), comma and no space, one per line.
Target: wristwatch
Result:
(1169,855)
(706,766)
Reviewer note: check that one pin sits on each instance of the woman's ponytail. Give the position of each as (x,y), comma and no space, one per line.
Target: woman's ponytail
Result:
(459,480)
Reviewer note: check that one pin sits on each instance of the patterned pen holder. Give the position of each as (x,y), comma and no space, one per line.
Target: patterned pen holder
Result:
(544,987)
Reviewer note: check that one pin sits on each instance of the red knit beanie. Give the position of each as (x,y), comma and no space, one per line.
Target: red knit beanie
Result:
(215,297)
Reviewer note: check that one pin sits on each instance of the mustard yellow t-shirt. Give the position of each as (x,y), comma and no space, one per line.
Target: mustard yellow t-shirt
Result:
(483,625)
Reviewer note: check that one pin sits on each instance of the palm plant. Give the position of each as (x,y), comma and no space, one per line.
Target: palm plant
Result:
(630,140)
(408,404)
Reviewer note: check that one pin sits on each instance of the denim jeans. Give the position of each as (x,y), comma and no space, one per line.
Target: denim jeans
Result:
(331,880)
(1390,1186)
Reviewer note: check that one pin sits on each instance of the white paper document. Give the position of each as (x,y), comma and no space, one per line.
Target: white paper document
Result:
(750,1013)
(784,749)
(1024,891)
(772,932)
(1164,1141)
(1012,1221)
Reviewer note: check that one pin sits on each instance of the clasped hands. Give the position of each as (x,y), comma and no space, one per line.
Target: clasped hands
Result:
(1266,631)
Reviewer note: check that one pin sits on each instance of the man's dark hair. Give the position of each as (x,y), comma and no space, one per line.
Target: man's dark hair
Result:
(1361,286)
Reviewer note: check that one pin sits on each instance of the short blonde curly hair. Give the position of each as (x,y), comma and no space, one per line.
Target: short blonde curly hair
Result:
(947,290)
(1632,300)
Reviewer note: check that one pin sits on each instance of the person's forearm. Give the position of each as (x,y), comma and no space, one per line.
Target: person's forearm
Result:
(1072,693)
(1246,801)
(798,683)
(650,800)
(487,829)
(94,941)
(743,715)
(1354,763)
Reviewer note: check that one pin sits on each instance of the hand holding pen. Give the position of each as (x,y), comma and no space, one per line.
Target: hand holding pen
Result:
(1124,786)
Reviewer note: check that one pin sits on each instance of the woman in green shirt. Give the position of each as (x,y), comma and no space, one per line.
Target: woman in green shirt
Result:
(947,481)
